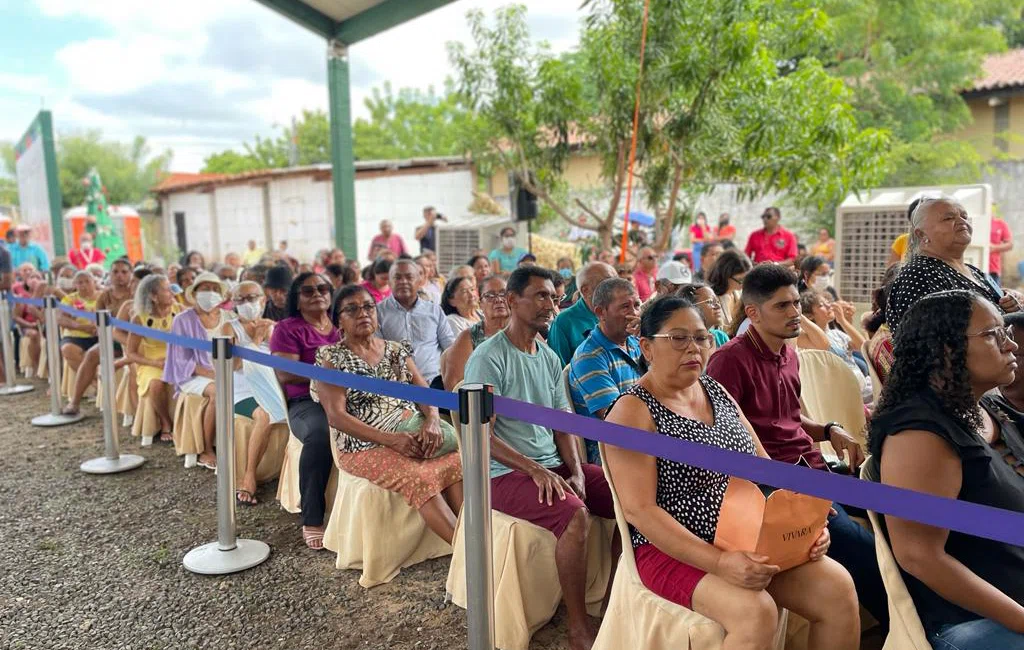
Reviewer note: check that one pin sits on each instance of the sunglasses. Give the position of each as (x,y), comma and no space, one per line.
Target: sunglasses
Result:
(322,289)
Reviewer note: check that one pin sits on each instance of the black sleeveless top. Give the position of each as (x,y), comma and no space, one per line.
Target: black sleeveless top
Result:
(693,496)
(988,479)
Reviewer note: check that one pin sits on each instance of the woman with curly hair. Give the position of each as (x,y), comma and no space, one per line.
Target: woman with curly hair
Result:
(934,432)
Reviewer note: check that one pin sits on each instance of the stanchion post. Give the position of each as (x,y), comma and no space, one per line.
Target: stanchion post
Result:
(476,407)
(54,418)
(112,462)
(228,554)
(10,387)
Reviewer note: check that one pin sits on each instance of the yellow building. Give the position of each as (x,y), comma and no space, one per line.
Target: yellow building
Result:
(997,107)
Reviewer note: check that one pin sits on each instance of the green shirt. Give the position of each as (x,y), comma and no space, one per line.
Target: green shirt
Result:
(508,260)
(534,378)
(570,328)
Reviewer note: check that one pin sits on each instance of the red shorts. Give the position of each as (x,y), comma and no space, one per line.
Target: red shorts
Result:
(515,494)
(667,576)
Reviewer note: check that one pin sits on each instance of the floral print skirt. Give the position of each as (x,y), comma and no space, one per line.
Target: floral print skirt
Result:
(418,480)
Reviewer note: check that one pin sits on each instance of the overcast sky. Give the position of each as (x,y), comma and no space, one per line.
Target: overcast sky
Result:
(199,76)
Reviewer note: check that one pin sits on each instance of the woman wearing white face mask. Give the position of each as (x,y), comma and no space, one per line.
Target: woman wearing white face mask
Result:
(260,399)
(815,273)
(191,371)
(505,258)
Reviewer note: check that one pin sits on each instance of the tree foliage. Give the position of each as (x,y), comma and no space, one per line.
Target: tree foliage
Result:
(128,170)
(8,184)
(410,123)
(308,139)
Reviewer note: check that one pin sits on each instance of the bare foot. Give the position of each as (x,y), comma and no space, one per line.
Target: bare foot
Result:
(582,637)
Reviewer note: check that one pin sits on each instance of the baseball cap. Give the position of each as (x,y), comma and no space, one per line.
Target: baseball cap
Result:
(675,272)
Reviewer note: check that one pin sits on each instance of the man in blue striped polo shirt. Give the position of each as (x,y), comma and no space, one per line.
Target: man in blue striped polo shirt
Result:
(607,363)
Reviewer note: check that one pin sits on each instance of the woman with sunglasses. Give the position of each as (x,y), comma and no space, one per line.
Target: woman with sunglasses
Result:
(936,431)
(726,280)
(494,303)
(307,328)
(395,444)
(673,508)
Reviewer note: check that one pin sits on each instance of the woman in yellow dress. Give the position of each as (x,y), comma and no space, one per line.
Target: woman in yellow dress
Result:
(154,307)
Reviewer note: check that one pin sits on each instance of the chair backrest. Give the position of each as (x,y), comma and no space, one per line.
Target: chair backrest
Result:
(829,391)
(566,386)
(905,629)
(620,519)
(876,381)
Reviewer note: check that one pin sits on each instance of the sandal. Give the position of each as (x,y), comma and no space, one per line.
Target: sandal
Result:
(248,501)
(314,538)
(69,410)
(166,436)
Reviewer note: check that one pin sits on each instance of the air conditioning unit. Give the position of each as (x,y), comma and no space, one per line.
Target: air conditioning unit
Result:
(868,223)
(460,238)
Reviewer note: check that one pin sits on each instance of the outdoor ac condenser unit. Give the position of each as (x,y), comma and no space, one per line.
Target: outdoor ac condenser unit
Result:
(458,239)
(868,223)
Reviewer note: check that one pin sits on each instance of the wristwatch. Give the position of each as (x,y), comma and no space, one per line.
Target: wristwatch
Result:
(828,427)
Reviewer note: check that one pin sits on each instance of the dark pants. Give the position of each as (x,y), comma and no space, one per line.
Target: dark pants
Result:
(309,424)
(854,548)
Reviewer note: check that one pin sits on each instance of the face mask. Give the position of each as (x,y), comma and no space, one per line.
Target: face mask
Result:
(249,310)
(508,242)
(86,245)
(208,300)
(66,284)
(822,282)
(565,273)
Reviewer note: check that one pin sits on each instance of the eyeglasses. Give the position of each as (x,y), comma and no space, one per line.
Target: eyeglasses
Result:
(715,303)
(322,289)
(648,257)
(255,297)
(1000,334)
(495,296)
(352,311)
(683,341)
(738,279)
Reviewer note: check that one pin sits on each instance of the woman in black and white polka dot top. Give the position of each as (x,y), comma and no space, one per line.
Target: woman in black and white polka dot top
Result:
(940,232)
(673,508)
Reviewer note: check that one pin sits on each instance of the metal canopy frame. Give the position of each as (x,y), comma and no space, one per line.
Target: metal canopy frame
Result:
(371,21)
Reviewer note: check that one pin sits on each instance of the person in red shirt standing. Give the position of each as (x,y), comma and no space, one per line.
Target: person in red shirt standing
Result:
(643,276)
(1001,241)
(773,243)
(387,239)
(85,254)
(725,231)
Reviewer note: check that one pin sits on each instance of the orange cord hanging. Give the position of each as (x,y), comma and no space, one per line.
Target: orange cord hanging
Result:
(632,146)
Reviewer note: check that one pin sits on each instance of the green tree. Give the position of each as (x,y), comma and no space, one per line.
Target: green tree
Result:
(128,170)
(410,123)
(308,138)
(230,162)
(8,183)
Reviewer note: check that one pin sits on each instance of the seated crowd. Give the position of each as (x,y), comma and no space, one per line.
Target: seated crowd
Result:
(713,359)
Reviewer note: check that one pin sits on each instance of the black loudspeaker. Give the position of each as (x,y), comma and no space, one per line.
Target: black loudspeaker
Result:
(525,204)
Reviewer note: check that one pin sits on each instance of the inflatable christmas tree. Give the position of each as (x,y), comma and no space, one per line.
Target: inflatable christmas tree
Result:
(98,223)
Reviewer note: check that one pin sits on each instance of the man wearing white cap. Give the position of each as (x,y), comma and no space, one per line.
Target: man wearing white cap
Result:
(671,276)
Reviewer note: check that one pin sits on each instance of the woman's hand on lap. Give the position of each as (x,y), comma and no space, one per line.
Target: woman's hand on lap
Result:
(747,570)
(820,547)
(406,444)
(430,436)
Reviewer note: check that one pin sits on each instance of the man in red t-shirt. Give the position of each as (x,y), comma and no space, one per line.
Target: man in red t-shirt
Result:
(1001,241)
(85,254)
(773,243)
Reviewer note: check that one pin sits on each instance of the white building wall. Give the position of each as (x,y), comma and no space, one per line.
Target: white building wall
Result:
(198,230)
(401,198)
(302,215)
(239,218)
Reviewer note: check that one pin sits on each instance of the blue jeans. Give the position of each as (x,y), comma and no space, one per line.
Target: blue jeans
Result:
(982,634)
(854,548)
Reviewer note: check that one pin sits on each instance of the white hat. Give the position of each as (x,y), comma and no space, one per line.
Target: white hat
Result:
(203,277)
(675,272)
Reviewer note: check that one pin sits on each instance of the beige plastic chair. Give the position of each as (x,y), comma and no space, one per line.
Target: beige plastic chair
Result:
(270,465)
(905,629)
(43,370)
(119,376)
(145,422)
(126,384)
(24,359)
(375,530)
(67,381)
(829,391)
(876,381)
(188,426)
(638,618)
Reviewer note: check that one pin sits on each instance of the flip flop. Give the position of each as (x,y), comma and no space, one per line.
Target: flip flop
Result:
(207,465)
(248,503)
(166,436)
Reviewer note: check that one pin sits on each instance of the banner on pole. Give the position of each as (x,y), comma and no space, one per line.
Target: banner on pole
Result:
(39,195)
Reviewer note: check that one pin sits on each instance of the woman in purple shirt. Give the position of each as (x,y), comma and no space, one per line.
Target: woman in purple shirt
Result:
(298,337)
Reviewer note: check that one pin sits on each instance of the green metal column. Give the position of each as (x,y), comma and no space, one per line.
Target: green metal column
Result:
(343,175)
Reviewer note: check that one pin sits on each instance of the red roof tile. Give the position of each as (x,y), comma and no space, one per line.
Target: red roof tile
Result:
(174,179)
(1004,70)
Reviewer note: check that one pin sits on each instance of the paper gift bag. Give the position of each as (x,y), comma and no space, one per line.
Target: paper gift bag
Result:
(781,525)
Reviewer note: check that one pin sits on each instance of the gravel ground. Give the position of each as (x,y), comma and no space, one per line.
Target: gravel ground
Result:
(95,561)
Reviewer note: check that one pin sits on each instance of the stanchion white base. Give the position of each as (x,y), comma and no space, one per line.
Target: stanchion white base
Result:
(16,389)
(59,420)
(105,465)
(209,560)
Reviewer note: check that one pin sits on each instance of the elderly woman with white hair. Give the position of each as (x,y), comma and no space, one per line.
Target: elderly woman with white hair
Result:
(940,232)
(154,307)
(79,333)
(257,395)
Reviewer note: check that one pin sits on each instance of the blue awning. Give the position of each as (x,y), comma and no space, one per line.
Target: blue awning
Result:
(640,218)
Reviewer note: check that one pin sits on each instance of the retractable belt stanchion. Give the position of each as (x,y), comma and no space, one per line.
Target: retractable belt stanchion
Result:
(10,372)
(53,360)
(476,406)
(112,461)
(228,554)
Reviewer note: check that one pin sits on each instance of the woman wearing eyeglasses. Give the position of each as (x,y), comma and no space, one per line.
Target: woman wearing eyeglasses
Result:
(395,444)
(940,232)
(673,508)
(494,305)
(928,434)
(307,328)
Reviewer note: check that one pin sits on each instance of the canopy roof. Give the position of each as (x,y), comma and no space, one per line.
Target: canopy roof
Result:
(350,21)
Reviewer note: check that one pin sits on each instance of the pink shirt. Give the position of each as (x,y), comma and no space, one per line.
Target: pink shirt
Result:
(644,284)
(1000,235)
(394,242)
(778,247)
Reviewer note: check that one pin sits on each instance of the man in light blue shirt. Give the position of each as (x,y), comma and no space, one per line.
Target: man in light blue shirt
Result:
(28,251)
(402,316)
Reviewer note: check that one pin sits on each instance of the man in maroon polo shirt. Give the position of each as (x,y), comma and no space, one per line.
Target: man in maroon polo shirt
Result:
(762,373)
(773,243)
